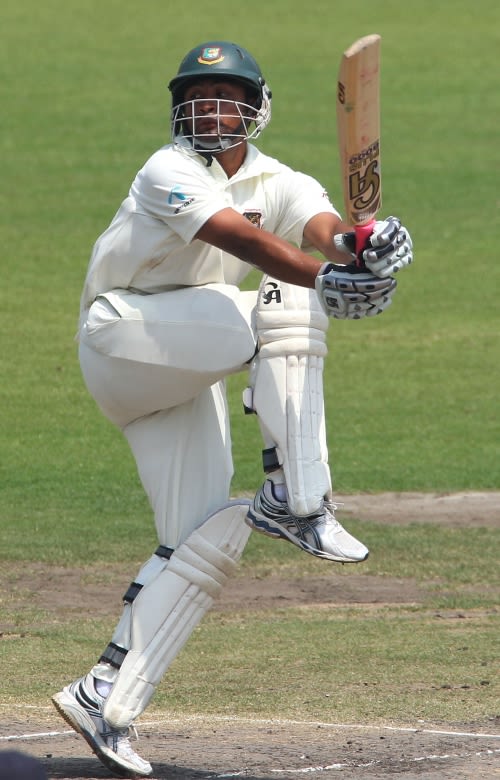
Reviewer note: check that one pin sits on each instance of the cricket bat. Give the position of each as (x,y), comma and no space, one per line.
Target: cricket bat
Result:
(358,132)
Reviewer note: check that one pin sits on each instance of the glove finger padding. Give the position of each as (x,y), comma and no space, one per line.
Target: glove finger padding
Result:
(385,233)
(350,292)
(391,248)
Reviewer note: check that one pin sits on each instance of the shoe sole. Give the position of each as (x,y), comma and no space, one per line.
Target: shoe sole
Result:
(269,528)
(76,717)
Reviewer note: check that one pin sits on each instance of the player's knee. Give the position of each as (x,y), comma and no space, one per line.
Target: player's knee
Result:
(290,320)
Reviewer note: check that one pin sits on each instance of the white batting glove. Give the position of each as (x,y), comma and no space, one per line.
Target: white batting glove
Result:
(389,249)
(349,292)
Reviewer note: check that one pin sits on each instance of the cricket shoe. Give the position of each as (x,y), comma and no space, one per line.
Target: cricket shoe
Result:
(319,534)
(81,706)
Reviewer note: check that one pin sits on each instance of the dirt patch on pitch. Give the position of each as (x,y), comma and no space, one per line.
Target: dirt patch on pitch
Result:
(457,510)
(62,591)
(209,748)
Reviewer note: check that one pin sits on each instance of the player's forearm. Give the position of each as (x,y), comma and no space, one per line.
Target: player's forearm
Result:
(284,261)
(232,233)
(320,231)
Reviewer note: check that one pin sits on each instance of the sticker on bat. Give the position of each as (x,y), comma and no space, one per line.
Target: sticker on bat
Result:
(364,189)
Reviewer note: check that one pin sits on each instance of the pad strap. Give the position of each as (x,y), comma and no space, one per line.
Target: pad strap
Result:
(113,655)
(170,605)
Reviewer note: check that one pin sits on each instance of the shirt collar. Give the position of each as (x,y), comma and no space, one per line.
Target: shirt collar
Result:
(254,164)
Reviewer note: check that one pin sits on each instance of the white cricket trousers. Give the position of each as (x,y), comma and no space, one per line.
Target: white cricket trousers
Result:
(155,365)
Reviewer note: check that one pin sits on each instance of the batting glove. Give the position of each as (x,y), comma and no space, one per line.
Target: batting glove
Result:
(351,292)
(389,248)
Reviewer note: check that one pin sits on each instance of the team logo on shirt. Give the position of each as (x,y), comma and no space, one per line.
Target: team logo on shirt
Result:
(210,55)
(255,217)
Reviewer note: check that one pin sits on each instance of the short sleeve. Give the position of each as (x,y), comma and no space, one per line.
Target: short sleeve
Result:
(179,191)
(301,198)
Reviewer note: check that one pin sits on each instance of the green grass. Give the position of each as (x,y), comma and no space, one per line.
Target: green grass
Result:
(336,678)
(85,102)
(411,397)
(337,664)
(429,667)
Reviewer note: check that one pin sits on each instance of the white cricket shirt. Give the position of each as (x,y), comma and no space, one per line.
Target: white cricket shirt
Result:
(150,246)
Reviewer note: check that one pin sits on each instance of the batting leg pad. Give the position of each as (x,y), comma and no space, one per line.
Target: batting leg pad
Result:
(170,605)
(287,384)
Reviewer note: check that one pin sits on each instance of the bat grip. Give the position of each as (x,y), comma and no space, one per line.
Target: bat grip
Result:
(363,233)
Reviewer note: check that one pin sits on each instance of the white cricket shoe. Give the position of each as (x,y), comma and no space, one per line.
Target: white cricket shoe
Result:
(81,707)
(319,534)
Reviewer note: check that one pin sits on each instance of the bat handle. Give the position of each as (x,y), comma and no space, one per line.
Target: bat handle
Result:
(363,233)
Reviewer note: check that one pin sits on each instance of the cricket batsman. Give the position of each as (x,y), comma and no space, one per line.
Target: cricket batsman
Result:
(163,323)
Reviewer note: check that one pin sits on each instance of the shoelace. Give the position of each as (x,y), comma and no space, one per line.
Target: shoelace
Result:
(125,749)
(280,509)
(331,507)
(119,735)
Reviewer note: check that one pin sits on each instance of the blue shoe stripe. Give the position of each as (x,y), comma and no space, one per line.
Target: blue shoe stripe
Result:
(262,525)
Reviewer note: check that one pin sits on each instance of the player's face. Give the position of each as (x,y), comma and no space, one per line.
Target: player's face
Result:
(214,108)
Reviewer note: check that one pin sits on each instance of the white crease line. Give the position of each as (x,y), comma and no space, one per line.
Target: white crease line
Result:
(37,736)
(268,722)
(277,722)
(443,733)
(417,759)
(310,769)
(305,770)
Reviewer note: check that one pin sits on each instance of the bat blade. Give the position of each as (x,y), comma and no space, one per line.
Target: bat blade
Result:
(358,132)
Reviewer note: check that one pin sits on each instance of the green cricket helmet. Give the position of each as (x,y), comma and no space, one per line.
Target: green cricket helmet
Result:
(228,62)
